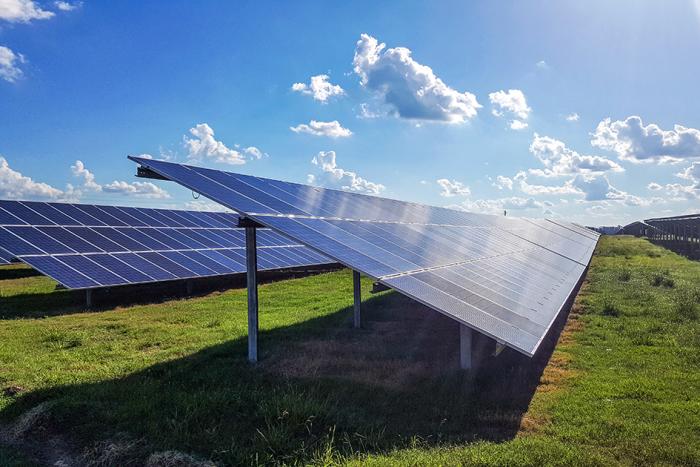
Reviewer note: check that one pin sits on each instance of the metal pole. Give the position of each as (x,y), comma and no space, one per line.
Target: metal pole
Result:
(252,267)
(88,298)
(465,347)
(357,294)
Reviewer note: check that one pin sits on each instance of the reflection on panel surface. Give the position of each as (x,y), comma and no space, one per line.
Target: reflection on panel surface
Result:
(505,277)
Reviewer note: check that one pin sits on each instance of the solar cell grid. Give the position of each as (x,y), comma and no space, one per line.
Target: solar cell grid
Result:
(83,246)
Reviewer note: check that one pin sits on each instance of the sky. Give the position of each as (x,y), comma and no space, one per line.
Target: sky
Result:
(585,111)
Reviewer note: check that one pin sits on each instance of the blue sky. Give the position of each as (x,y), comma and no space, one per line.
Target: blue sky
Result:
(580,110)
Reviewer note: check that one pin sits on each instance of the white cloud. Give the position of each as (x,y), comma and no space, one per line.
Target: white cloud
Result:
(512,103)
(542,65)
(497,206)
(310,179)
(9,64)
(517,125)
(138,189)
(535,190)
(635,142)
(66,6)
(203,146)
(320,88)
(79,170)
(452,188)
(692,173)
(574,117)
(409,89)
(14,185)
(653,186)
(254,153)
(347,180)
(503,182)
(331,129)
(598,188)
(680,191)
(22,11)
(559,160)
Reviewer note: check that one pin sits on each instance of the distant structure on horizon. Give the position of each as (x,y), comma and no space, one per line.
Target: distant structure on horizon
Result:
(677,233)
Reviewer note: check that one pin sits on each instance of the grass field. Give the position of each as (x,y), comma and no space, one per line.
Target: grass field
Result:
(114,386)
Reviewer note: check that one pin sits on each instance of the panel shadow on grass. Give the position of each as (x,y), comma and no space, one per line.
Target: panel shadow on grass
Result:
(320,385)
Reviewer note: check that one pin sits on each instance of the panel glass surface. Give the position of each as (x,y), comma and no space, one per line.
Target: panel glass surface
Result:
(505,277)
(86,246)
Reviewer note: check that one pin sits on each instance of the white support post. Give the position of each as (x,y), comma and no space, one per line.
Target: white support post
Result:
(357,295)
(252,279)
(465,347)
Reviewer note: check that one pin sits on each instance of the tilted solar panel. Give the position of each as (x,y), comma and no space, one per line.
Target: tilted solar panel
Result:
(88,246)
(505,277)
(5,257)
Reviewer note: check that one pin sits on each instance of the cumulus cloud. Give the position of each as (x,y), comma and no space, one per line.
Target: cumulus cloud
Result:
(254,153)
(320,88)
(511,103)
(574,117)
(559,160)
(22,11)
(598,188)
(14,185)
(88,183)
(347,180)
(407,88)
(653,186)
(635,142)
(331,129)
(498,206)
(66,6)
(137,189)
(542,65)
(9,64)
(679,191)
(452,188)
(79,170)
(503,182)
(203,146)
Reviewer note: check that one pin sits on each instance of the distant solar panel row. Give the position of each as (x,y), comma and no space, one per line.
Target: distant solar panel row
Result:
(505,277)
(87,246)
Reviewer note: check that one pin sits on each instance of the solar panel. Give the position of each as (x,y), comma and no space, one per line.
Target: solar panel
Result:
(88,246)
(5,257)
(506,277)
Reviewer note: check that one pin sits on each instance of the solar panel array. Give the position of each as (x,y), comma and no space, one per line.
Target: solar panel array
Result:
(505,277)
(89,246)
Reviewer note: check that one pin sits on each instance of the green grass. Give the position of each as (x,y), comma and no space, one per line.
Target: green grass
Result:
(622,386)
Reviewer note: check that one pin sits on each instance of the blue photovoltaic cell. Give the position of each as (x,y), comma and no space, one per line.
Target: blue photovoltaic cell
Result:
(97,273)
(78,214)
(505,277)
(83,246)
(5,257)
(36,237)
(64,274)
(8,219)
(51,213)
(27,215)
(145,266)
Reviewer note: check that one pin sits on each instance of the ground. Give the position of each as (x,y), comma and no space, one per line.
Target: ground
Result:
(130,385)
